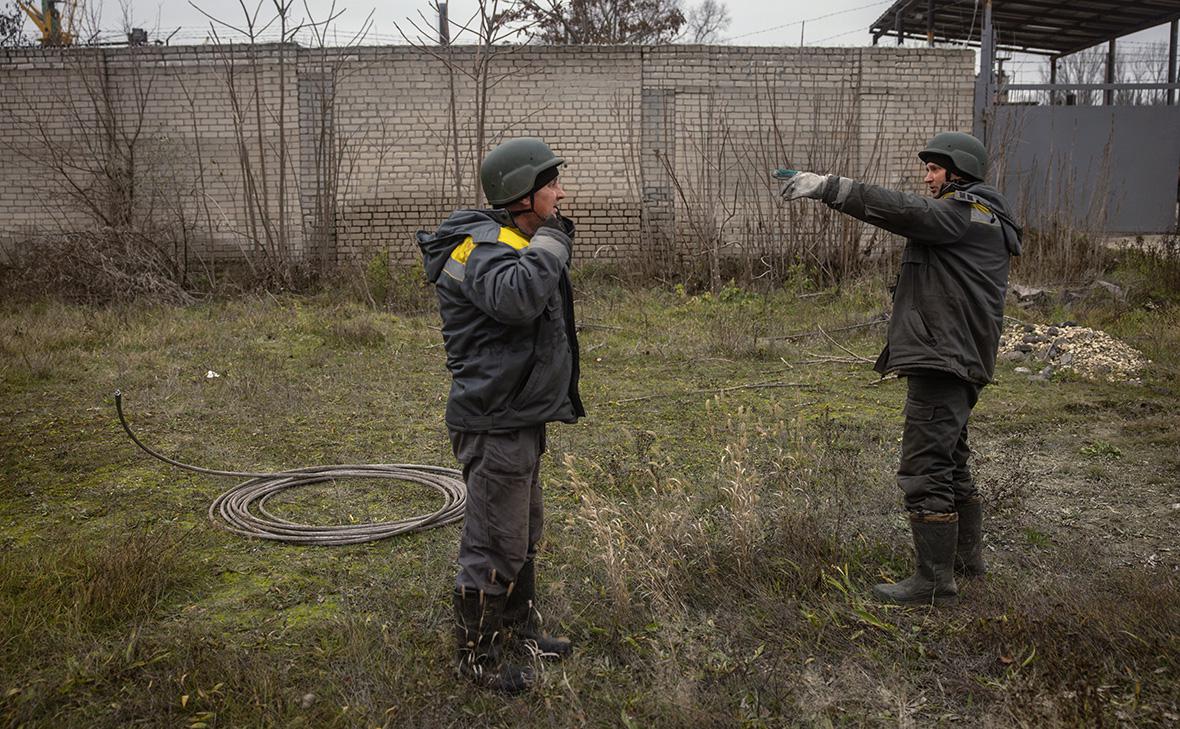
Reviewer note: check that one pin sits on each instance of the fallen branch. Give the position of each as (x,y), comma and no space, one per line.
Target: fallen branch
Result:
(882,319)
(845,349)
(825,360)
(587,326)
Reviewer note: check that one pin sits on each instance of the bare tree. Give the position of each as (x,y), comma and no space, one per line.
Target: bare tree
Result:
(706,21)
(601,22)
(492,24)
(1083,67)
(116,232)
(1147,64)
(334,154)
(266,213)
(12,22)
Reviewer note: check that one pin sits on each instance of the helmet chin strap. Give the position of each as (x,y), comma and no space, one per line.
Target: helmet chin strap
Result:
(529,209)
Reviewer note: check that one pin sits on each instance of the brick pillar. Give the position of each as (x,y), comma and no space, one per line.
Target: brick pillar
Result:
(318,165)
(658,149)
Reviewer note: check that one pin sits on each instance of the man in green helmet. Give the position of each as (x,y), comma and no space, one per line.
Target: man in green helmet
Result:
(502,278)
(948,311)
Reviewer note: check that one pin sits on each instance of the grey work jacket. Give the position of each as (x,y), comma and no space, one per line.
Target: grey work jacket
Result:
(948,305)
(507,322)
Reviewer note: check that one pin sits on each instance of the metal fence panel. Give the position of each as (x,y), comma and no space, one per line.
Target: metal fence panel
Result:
(1103,168)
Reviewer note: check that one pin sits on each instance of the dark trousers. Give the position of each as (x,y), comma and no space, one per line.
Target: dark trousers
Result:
(504,514)
(933,473)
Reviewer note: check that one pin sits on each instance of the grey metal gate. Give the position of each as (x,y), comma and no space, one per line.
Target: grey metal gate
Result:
(1110,168)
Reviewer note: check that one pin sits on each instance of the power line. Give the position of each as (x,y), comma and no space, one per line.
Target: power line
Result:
(808,20)
(838,35)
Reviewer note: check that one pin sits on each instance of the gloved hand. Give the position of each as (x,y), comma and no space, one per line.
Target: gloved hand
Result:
(559,228)
(803,184)
(563,223)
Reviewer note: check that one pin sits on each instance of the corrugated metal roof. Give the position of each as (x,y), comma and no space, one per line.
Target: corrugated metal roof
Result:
(1048,27)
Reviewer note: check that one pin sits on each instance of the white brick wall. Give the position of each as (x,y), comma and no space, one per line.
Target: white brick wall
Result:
(719,117)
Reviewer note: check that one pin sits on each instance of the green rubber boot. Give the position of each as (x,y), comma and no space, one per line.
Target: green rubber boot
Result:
(933,583)
(969,554)
(524,621)
(479,643)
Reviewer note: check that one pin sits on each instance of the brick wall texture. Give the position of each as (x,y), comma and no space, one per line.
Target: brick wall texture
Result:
(340,155)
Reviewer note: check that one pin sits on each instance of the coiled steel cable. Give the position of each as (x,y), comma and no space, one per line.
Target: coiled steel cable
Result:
(242,509)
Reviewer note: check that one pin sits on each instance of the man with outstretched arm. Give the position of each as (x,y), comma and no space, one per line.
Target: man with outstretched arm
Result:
(948,311)
(502,278)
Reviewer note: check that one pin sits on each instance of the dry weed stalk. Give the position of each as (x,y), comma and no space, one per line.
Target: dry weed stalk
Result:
(672,544)
(635,548)
(732,218)
(121,228)
(491,27)
(266,229)
(739,512)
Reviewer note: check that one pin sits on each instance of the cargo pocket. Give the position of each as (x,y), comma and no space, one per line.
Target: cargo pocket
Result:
(918,412)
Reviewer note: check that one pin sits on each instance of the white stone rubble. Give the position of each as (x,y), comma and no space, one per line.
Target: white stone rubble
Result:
(1090,353)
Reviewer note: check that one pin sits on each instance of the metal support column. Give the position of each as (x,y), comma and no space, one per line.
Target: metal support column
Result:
(1053,79)
(898,27)
(1108,93)
(1172,62)
(930,23)
(985,80)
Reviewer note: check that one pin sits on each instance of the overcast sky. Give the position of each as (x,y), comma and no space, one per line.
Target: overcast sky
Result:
(753,22)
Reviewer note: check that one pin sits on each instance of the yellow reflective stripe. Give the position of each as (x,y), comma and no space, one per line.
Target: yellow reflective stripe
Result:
(512,237)
(982,208)
(456,267)
(463,250)
(980,214)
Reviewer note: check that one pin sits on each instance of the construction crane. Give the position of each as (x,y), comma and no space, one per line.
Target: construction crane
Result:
(57,28)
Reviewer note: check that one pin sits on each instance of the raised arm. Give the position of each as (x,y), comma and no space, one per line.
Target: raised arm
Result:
(513,286)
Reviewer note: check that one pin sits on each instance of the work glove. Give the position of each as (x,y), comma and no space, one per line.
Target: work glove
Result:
(804,184)
(560,229)
(560,221)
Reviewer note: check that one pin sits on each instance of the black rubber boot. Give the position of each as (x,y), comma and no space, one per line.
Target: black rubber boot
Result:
(479,643)
(524,621)
(969,554)
(933,583)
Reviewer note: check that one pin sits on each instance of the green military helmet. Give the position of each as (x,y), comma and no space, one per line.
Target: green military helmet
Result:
(967,154)
(510,171)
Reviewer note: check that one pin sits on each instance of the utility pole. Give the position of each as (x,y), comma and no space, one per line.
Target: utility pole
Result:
(444,27)
(930,23)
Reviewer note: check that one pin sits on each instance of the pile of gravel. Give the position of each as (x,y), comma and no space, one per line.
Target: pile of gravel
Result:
(1090,353)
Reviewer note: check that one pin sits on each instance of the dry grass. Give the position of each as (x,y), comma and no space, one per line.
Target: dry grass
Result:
(709,550)
(99,267)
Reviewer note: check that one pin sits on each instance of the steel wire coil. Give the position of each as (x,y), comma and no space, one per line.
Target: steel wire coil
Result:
(243,509)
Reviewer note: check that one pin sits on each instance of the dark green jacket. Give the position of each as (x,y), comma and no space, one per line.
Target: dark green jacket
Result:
(508,322)
(948,307)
